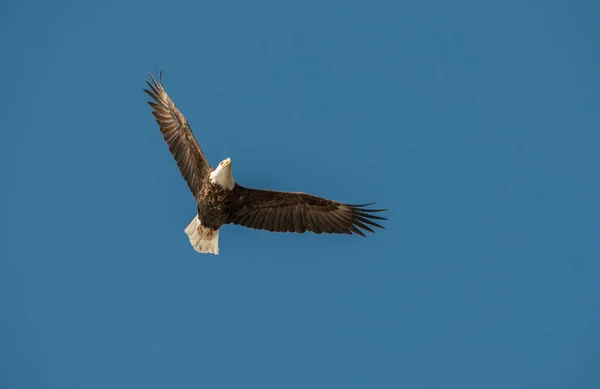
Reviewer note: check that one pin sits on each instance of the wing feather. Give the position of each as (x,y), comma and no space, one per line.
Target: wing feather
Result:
(258,219)
(269,223)
(178,135)
(300,212)
(299,219)
(276,218)
(311,224)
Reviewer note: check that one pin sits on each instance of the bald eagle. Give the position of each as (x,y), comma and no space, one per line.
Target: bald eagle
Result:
(220,200)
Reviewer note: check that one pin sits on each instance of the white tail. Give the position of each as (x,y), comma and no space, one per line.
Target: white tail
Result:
(203,240)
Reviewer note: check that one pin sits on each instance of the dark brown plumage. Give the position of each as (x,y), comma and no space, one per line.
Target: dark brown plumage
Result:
(177,133)
(299,212)
(221,201)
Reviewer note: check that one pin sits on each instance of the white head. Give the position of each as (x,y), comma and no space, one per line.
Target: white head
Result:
(222,175)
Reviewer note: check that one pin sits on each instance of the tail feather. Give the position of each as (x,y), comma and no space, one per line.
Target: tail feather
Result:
(202,239)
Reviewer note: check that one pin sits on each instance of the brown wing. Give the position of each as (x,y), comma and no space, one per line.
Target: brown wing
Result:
(179,137)
(299,212)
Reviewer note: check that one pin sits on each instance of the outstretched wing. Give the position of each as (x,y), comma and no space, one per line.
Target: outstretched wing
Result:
(179,137)
(299,212)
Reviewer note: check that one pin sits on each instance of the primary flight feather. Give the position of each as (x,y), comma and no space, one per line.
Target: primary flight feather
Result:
(220,200)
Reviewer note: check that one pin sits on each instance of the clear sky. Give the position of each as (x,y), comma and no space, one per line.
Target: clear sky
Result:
(476,123)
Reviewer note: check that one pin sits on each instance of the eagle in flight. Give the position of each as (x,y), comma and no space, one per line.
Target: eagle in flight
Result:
(221,200)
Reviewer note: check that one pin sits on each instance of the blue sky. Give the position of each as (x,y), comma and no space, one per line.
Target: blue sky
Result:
(475,123)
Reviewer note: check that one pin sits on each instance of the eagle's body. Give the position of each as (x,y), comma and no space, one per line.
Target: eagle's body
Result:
(220,200)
